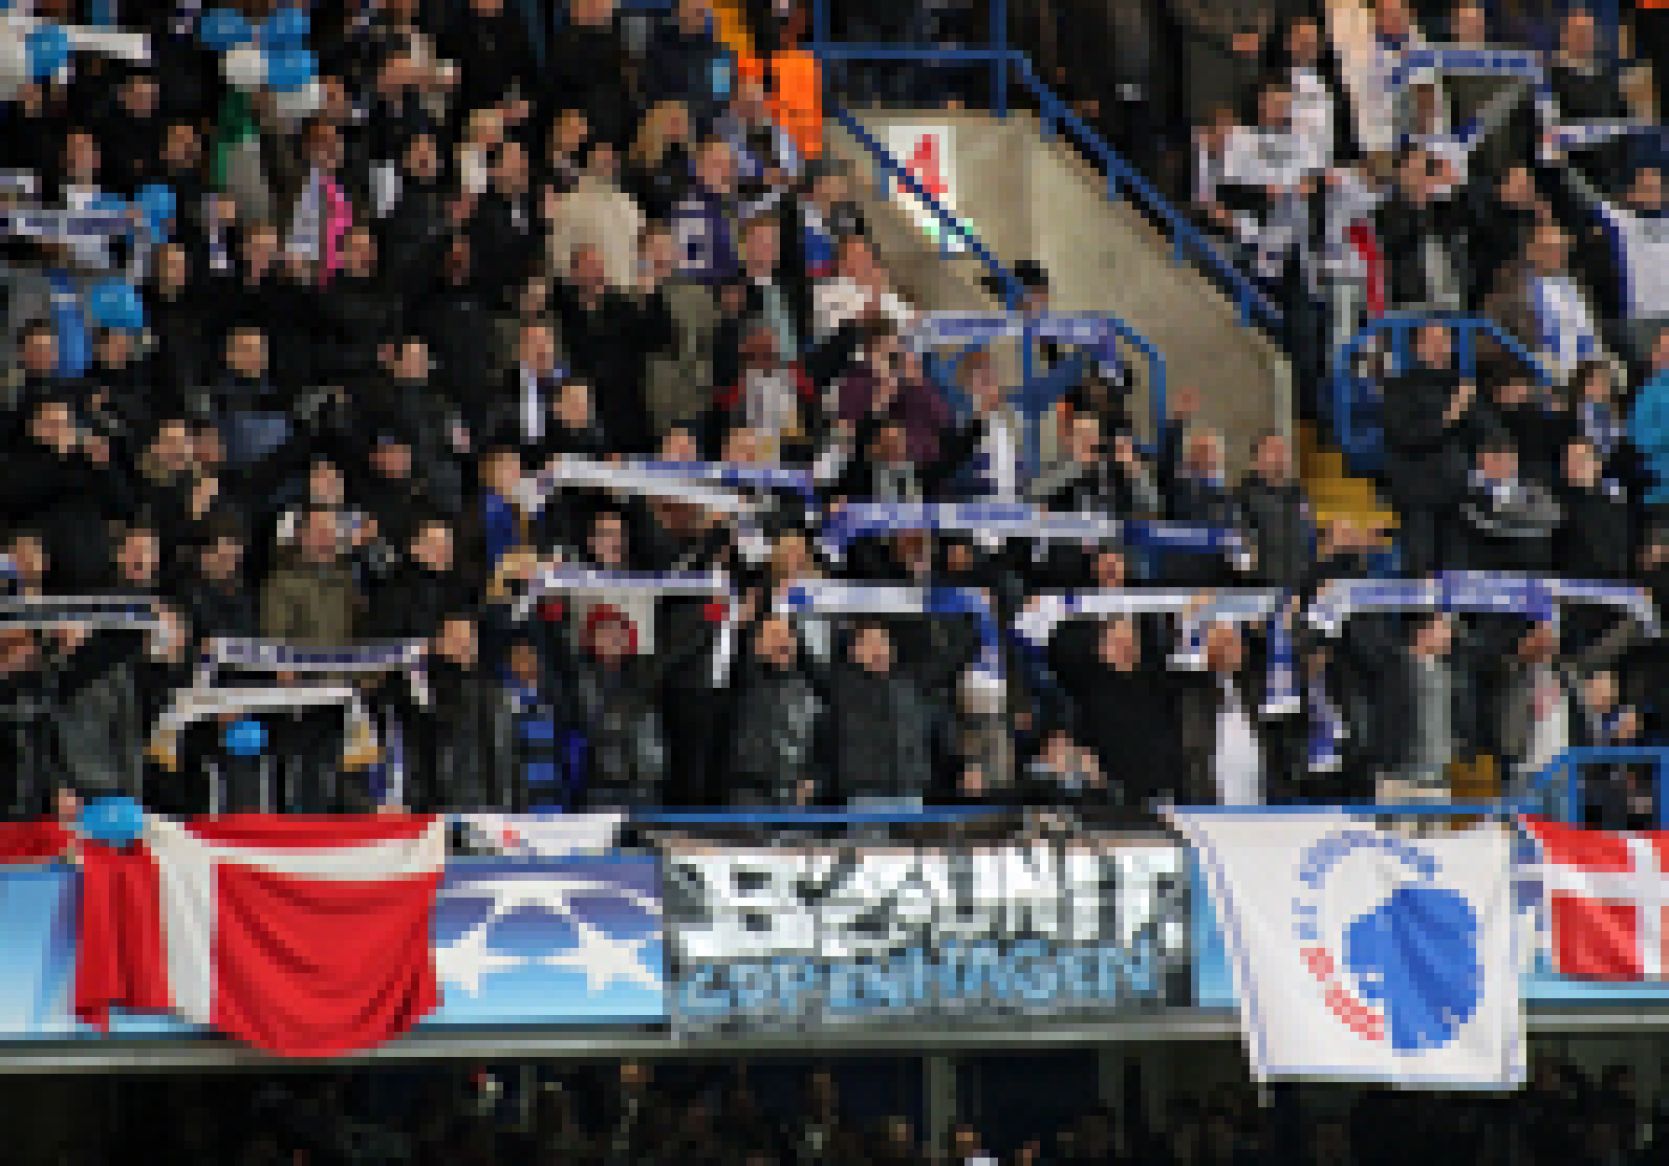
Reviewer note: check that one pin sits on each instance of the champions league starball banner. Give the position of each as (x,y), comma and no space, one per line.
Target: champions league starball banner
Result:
(828,935)
(1359,954)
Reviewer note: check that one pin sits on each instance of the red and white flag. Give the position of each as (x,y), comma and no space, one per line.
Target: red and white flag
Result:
(302,936)
(1606,894)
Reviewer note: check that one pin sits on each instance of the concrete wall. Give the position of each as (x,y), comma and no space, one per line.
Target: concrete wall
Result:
(1037,199)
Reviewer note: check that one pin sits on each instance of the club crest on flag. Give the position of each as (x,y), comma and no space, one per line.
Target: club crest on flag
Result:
(1359,953)
(1402,966)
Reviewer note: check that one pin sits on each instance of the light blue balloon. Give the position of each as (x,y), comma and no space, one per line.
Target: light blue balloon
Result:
(114,821)
(289,69)
(106,202)
(158,203)
(114,304)
(223,28)
(48,46)
(287,28)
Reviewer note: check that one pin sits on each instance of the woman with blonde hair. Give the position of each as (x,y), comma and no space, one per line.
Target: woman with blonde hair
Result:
(657,171)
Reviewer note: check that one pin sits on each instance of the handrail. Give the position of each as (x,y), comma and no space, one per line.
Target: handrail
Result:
(1038,393)
(1565,771)
(1358,440)
(1013,293)
(1188,241)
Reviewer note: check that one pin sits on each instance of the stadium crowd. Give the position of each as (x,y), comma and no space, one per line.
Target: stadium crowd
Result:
(406,345)
(640,1114)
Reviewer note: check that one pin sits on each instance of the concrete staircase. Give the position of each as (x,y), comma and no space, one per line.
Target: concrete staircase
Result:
(1032,197)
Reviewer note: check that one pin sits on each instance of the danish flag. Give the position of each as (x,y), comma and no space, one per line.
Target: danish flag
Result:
(1606,895)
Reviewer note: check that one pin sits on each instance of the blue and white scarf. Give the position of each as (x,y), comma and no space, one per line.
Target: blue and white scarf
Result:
(644,479)
(559,579)
(1018,520)
(1044,613)
(823,597)
(237,654)
(1536,598)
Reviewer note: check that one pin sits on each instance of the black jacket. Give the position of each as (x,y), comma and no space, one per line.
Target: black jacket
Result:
(1596,538)
(1405,229)
(1128,719)
(507,242)
(777,740)
(1509,526)
(1425,459)
(1277,517)
(586,68)
(70,500)
(460,757)
(609,344)
(881,735)
(213,609)
(415,600)
(1198,701)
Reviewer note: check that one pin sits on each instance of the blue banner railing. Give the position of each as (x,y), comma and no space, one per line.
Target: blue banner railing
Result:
(1124,181)
(1356,398)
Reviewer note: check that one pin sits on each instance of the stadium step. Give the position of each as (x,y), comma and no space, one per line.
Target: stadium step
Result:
(1335,493)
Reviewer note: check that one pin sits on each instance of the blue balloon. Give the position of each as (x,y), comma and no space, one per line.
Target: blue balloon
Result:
(286,28)
(246,738)
(289,69)
(48,46)
(223,28)
(158,203)
(115,821)
(104,202)
(1416,956)
(113,304)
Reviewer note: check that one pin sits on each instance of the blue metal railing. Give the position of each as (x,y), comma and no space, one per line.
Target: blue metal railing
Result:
(1356,399)
(926,816)
(949,225)
(1556,792)
(1188,242)
(1124,181)
(1565,778)
(1497,809)
(1039,391)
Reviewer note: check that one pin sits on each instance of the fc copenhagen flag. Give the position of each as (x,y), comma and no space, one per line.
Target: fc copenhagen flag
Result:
(1606,895)
(301,936)
(1363,955)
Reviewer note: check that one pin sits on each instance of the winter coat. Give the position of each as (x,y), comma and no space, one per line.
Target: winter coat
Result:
(1509,526)
(1425,459)
(1277,517)
(775,739)
(882,735)
(625,746)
